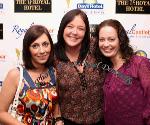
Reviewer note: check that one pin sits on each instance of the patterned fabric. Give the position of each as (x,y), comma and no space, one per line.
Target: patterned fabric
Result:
(80,95)
(128,104)
(36,103)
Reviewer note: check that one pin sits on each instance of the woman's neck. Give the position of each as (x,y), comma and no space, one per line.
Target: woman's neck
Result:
(39,70)
(72,53)
(117,62)
(39,74)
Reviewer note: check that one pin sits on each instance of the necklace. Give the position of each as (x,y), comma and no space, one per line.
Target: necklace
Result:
(40,81)
(82,77)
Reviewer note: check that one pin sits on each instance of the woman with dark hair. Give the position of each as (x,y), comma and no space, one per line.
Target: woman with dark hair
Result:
(79,83)
(127,82)
(30,90)
(30,36)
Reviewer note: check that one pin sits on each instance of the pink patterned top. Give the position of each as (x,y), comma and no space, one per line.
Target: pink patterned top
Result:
(128,104)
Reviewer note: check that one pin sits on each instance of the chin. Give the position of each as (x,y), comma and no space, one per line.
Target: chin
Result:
(108,55)
(42,62)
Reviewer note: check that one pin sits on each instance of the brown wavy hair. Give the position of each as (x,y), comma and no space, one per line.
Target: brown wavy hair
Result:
(125,48)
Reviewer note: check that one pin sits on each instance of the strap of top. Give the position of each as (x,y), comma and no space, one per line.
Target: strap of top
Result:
(28,78)
(20,83)
(30,81)
(51,73)
(15,101)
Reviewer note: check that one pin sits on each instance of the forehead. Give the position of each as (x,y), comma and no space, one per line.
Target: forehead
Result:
(77,20)
(41,39)
(107,30)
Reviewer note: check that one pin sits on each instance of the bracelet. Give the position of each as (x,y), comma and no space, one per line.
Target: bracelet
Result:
(57,119)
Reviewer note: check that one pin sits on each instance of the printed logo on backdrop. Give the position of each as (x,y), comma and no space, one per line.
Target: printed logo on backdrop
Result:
(19,30)
(18,54)
(33,6)
(93,30)
(69,2)
(138,32)
(91,7)
(1,7)
(133,6)
(2,57)
(141,53)
(1,31)
(0,83)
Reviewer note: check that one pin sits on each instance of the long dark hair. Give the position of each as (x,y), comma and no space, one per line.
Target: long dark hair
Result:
(33,33)
(125,48)
(60,45)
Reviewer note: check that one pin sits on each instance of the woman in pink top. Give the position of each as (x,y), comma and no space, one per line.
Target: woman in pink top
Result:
(127,83)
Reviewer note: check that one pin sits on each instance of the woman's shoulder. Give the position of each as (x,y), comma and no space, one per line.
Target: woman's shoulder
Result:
(12,76)
(14,72)
(138,59)
(135,64)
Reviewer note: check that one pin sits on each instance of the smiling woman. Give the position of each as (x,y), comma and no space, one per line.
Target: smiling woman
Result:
(32,95)
(80,86)
(127,96)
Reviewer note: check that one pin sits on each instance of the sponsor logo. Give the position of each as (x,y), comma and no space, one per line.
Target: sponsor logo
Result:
(33,6)
(18,53)
(90,7)
(138,32)
(133,6)
(90,4)
(0,83)
(69,2)
(20,31)
(93,30)
(1,6)
(141,53)
(2,57)
(1,31)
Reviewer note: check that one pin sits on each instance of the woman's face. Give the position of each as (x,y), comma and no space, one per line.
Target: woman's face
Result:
(74,32)
(109,42)
(40,50)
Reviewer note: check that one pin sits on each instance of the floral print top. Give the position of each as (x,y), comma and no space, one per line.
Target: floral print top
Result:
(36,101)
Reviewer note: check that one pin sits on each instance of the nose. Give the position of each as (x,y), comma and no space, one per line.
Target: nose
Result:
(74,30)
(41,49)
(106,43)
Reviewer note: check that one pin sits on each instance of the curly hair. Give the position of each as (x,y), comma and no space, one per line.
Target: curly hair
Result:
(125,48)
